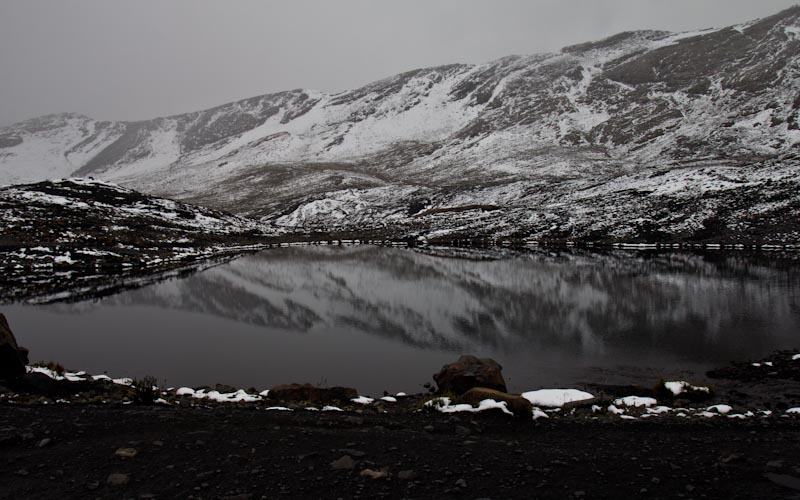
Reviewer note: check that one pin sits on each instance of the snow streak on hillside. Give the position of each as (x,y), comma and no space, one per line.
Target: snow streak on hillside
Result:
(644,135)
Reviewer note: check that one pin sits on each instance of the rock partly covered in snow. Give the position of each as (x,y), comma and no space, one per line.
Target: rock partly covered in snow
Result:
(469,372)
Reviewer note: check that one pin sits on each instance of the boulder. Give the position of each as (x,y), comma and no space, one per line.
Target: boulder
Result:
(518,405)
(469,372)
(312,394)
(13,358)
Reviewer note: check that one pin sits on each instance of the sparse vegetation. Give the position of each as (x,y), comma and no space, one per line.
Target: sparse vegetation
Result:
(146,390)
(51,365)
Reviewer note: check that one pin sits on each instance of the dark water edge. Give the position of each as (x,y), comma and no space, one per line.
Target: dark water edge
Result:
(379,318)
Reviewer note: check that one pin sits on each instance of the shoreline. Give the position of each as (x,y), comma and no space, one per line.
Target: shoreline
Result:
(768,388)
(93,437)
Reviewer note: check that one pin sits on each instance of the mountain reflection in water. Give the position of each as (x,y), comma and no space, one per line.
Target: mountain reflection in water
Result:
(380,318)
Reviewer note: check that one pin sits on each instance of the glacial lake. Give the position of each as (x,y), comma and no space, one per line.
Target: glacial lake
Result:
(379,318)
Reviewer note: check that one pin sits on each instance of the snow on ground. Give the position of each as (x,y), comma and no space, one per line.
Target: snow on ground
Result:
(635,401)
(444,405)
(678,387)
(628,408)
(555,398)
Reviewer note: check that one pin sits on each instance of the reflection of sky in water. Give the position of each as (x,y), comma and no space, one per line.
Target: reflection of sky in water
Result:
(388,318)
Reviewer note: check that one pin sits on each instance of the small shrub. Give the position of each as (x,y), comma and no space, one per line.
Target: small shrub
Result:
(145,390)
(51,365)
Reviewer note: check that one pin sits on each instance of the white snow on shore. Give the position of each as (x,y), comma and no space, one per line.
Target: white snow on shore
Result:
(444,405)
(678,387)
(555,398)
(635,401)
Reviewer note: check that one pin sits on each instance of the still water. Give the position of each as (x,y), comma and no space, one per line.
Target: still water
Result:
(386,319)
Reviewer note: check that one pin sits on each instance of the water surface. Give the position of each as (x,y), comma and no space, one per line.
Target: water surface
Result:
(386,319)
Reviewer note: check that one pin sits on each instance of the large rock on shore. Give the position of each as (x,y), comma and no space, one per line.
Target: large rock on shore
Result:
(13,358)
(312,394)
(516,404)
(469,372)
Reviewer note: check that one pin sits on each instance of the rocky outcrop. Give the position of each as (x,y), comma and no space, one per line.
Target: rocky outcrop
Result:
(13,358)
(469,372)
(311,394)
(516,404)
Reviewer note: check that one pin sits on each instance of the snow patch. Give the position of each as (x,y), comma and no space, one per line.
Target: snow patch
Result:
(555,398)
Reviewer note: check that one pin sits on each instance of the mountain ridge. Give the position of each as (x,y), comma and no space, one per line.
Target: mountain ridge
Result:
(523,133)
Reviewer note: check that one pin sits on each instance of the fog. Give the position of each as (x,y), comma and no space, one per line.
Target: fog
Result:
(136,60)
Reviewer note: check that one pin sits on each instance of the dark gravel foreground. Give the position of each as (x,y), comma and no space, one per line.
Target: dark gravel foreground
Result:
(73,451)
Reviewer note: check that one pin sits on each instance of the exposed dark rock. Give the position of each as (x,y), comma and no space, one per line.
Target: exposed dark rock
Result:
(469,372)
(312,394)
(13,358)
(518,405)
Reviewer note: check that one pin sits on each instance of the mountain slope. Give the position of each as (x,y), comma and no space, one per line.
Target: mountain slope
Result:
(544,144)
(70,234)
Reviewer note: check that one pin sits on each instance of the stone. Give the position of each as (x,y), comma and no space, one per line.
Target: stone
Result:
(343,463)
(117,479)
(126,452)
(469,372)
(312,394)
(374,474)
(353,452)
(407,475)
(13,358)
(225,388)
(44,442)
(516,404)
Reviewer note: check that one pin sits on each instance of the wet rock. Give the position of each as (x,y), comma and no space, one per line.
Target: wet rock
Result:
(117,479)
(374,474)
(309,393)
(469,372)
(352,452)
(343,463)
(407,475)
(13,358)
(225,389)
(784,480)
(126,452)
(350,419)
(518,405)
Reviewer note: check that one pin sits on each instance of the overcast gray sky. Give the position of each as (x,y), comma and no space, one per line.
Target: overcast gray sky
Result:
(128,60)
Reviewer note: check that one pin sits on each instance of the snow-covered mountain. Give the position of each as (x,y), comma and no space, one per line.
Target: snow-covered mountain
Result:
(644,135)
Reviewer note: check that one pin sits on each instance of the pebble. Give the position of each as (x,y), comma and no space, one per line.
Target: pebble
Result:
(374,474)
(117,479)
(407,475)
(126,452)
(461,483)
(343,463)
(352,452)
(44,442)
